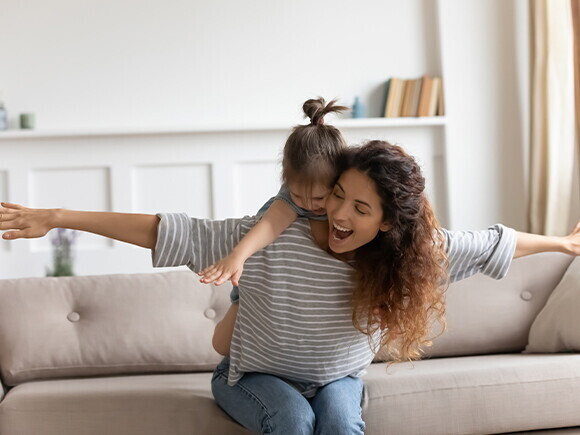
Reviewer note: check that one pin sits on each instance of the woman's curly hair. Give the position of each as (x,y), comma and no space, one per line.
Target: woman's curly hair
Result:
(402,272)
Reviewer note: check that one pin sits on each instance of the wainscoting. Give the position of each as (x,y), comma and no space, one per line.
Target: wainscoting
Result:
(211,172)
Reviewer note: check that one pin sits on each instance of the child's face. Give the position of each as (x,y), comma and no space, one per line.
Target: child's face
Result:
(313,200)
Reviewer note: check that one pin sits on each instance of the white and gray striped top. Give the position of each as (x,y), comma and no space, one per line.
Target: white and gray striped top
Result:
(295,317)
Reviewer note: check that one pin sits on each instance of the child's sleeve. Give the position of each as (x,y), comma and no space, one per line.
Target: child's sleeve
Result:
(488,251)
(196,243)
(284,195)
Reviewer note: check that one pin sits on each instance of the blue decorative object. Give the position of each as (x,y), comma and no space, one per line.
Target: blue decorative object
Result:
(358,110)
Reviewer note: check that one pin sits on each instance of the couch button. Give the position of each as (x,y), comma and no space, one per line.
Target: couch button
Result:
(526,295)
(74,317)
(209,313)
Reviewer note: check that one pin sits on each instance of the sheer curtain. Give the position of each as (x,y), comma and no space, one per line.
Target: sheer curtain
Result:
(553,173)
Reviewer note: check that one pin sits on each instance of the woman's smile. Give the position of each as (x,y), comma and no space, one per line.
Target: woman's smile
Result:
(340,233)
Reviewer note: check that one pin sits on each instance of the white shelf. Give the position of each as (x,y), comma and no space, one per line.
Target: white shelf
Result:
(340,123)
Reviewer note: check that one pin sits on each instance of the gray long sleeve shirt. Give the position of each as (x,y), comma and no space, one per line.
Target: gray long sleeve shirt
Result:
(295,316)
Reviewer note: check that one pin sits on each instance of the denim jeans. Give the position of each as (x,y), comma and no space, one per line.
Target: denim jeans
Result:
(268,404)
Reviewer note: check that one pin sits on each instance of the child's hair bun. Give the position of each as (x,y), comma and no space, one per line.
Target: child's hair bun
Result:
(316,109)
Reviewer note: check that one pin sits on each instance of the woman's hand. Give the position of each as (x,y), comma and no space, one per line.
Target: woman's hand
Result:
(528,244)
(30,222)
(573,240)
(230,267)
(137,229)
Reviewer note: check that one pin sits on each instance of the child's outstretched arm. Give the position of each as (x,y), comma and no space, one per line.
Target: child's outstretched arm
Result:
(29,223)
(276,219)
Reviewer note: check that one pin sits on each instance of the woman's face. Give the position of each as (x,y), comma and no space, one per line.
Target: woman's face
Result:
(355,214)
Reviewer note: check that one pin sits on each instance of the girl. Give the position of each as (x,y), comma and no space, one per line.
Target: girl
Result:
(309,170)
(301,339)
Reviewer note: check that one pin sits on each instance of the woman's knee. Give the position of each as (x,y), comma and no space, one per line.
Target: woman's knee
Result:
(264,404)
(338,408)
(294,417)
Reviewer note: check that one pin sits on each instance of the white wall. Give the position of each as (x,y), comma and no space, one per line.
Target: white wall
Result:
(485,52)
(104,64)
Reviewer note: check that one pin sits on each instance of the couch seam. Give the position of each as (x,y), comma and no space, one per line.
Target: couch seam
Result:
(474,386)
(113,365)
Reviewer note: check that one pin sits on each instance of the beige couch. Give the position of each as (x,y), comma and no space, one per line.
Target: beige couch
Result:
(131,354)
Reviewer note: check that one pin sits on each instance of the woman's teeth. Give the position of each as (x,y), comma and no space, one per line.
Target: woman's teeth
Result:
(340,232)
(338,227)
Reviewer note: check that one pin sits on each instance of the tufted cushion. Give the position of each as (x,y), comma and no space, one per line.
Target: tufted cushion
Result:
(108,324)
(556,327)
(492,316)
(486,316)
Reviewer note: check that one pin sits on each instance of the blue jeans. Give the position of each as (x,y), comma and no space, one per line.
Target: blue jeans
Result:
(267,404)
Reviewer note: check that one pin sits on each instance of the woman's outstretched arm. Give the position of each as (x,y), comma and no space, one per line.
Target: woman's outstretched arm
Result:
(528,244)
(137,229)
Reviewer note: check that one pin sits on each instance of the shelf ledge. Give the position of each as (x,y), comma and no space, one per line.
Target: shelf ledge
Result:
(340,123)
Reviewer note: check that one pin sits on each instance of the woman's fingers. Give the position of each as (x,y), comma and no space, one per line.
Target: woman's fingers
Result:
(7,223)
(10,205)
(13,235)
(6,216)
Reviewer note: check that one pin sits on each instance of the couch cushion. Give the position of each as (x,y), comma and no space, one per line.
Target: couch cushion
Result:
(177,404)
(477,394)
(483,394)
(108,324)
(487,316)
(556,328)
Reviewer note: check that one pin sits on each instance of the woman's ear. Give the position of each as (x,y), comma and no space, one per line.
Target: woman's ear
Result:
(384,227)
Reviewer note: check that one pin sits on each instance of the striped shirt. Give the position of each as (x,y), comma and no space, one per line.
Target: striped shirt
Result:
(295,317)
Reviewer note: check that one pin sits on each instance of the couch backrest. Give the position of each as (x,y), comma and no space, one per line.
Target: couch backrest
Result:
(487,316)
(163,322)
(108,324)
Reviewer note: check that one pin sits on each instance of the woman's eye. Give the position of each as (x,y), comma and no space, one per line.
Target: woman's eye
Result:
(337,195)
(359,210)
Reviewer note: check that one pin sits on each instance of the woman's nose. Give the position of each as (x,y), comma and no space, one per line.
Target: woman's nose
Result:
(340,213)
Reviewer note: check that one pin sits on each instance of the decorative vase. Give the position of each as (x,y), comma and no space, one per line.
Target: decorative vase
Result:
(62,258)
(357,109)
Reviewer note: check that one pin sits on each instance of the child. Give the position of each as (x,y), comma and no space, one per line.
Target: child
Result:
(309,170)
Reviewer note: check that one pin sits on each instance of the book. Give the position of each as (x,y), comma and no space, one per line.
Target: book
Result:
(409,85)
(425,97)
(412,95)
(441,104)
(434,96)
(393,98)
(415,98)
(387,89)
(398,104)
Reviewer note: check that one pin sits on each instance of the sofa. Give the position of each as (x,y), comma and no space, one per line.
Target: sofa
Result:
(131,354)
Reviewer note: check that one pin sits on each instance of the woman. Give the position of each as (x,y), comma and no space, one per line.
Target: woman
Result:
(301,340)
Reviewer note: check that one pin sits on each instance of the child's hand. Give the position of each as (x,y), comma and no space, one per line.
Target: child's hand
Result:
(229,267)
(30,222)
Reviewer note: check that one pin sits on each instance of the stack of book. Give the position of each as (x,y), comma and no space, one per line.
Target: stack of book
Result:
(414,97)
